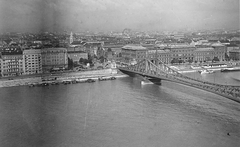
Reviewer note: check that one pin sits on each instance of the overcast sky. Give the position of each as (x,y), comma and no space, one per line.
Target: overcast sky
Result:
(115,15)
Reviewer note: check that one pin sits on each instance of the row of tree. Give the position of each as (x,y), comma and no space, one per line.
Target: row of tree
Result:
(175,60)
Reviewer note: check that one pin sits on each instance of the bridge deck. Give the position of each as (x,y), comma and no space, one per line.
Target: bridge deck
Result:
(162,72)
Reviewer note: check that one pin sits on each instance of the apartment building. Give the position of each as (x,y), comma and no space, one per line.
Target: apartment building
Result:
(11,63)
(54,58)
(32,61)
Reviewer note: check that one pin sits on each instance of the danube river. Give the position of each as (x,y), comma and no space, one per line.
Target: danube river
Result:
(120,113)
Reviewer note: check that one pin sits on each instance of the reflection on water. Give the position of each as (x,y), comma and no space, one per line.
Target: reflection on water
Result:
(118,113)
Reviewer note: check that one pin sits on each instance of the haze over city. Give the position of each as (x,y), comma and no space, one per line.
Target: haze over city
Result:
(115,15)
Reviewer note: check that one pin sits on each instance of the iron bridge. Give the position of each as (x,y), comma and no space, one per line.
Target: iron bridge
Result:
(157,72)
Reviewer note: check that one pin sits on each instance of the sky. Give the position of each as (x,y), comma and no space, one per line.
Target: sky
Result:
(116,15)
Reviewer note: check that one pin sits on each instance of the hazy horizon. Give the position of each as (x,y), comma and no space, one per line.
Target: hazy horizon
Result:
(113,15)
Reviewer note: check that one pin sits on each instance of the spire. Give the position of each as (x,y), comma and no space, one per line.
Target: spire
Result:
(71,38)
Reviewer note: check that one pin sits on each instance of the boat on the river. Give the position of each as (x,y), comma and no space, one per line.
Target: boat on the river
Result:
(54,83)
(106,78)
(214,65)
(43,84)
(205,71)
(32,84)
(90,81)
(67,82)
(236,79)
(81,80)
(230,69)
(146,82)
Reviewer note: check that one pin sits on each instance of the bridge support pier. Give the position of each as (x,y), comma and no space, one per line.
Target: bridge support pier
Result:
(156,81)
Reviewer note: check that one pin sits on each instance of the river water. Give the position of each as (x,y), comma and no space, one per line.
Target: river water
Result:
(119,113)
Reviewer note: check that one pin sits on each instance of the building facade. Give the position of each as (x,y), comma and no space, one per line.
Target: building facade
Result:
(234,54)
(11,64)
(203,54)
(183,53)
(94,48)
(219,51)
(132,53)
(188,53)
(54,58)
(32,61)
(164,56)
(231,47)
(77,55)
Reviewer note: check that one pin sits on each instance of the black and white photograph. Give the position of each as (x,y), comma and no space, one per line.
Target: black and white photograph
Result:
(119,73)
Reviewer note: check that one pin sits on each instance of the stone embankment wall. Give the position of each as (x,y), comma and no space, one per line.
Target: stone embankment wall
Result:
(18,82)
(66,76)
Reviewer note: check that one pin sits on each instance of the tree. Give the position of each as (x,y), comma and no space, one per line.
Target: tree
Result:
(70,63)
(81,60)
(174,60)
(227,58)
(90,57)
(180,61)
(95,56)
(215,59)
(190,60)
(120,55)
(109,50)
(101,59)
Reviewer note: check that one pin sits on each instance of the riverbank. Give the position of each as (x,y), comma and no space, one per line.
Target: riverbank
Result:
(188,69)
(60,77)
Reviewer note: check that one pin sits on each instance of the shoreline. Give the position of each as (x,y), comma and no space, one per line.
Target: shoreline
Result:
(196,70)
(190,70)
(94,74)
(22,81)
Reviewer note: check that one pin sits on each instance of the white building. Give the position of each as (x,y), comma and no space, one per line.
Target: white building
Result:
(11,64)
(32,61)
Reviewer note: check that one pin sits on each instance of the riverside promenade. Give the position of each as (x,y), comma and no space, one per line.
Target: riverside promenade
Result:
(186,68)
(93,74)
(26,80)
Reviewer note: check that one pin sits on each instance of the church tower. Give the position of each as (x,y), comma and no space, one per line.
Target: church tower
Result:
(71,38)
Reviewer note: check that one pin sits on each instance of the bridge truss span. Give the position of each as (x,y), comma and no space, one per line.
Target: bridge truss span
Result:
(162,71)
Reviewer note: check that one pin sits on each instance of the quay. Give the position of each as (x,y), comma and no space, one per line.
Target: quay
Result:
(54,79)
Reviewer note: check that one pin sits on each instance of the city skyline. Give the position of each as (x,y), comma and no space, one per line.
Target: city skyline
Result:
(111,15)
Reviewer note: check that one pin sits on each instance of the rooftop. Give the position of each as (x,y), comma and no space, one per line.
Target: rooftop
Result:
(231,45)
(53,49)
(204,49)
(78,43)
(73,52)
(134,47)
(32,51)
(12,53)
(217,44)
(158,51)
